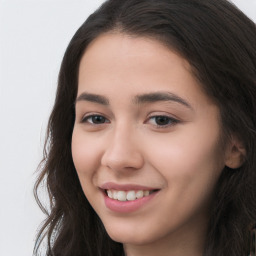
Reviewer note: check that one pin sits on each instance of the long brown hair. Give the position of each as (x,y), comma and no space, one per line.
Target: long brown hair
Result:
(219,42)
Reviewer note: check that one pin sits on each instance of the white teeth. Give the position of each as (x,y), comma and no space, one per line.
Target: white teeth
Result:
(146,193)
(127,195)
(139,194)
(115,195)
(110,194)
(131,196)
(121,196)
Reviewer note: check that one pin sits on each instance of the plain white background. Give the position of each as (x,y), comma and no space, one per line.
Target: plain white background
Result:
(33,38)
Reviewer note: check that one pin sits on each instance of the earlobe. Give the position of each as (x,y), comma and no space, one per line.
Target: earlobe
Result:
(235,154)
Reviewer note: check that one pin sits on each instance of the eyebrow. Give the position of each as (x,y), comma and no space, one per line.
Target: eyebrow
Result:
(160,96)
(138,99)
(93,98)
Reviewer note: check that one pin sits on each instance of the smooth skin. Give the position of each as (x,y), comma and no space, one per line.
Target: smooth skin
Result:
(171,143)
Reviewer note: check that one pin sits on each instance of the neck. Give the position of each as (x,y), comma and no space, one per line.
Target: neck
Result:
(185,241)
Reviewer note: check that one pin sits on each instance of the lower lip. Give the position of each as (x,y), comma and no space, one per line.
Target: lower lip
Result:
(127,206)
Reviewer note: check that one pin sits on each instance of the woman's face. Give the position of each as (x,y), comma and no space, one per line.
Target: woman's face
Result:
(147,135)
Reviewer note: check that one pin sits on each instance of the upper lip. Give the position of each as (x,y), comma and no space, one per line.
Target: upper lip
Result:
(125,187)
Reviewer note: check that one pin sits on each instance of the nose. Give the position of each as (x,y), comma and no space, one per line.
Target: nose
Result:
(123,151)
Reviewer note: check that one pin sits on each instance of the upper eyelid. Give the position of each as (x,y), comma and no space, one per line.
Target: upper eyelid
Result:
(151,115)
(156,114)
(172,119)
(92,115)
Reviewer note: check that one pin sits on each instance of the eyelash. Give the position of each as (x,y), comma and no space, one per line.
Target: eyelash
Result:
(171,121)
(86,118)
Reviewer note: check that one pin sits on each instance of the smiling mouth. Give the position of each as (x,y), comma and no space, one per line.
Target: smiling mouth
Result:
(131,195)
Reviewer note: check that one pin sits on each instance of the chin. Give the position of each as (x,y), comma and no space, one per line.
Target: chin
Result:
(129,239)
(128,236)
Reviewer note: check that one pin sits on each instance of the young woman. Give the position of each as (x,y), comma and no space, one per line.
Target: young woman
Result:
(151,141)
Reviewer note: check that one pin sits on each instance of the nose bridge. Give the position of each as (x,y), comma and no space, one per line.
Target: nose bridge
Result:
(123,150)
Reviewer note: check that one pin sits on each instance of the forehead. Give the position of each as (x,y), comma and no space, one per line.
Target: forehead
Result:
(124,48)
(115,61)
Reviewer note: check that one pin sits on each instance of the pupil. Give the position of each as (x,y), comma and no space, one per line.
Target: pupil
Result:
(162,120)
(98,119)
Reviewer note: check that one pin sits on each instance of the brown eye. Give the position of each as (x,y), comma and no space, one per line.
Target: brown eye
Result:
(95,119)
(98,119)
(163,121)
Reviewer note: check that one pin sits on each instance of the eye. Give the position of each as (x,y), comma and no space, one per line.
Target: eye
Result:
(163,121)
(95,119)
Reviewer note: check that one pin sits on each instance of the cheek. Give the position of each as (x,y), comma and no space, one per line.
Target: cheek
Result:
(189,151)
(190,166)
(86,156)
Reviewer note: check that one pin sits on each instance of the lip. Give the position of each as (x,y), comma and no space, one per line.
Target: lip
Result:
(125,187)
(126,206)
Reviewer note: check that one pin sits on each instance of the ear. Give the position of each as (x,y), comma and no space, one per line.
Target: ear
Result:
(235,153)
